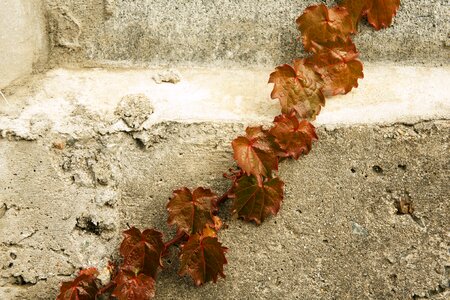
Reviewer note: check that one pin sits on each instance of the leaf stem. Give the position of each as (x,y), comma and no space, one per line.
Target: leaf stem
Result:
(224,197)
(106,288)
(180,236)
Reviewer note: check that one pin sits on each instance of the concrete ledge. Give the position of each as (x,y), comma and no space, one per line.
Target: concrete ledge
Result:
(388,94)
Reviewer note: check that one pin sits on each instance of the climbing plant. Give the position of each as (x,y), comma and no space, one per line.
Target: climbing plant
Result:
(331,67)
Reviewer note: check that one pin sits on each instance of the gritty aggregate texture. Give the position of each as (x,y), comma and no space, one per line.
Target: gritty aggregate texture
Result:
(338,235)
(227,32)
(81,162)
(85,153)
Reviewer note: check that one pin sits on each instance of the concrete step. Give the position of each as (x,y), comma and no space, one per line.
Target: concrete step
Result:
(84,152)
(388,94)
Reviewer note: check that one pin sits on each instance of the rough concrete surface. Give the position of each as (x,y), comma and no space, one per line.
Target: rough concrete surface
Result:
(227,32)
(84,153)
(23,39)
(338,235)
(77,169)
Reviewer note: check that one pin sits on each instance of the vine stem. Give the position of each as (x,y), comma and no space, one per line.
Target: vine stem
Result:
(224,197)
(107,287)
(180,235)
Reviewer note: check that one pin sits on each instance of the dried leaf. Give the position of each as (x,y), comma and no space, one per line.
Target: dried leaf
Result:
(380,13)
(84,287)
(294,137)
(256,153)
(338,65)
(202,257)
(212,230)
(142,251)
(254,201)
(356,9)
(133,286)
(321,24)
(298,88)
(191,211)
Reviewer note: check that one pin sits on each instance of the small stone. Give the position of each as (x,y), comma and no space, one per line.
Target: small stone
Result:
(169,76)
(134,110)
(404,206)
(359,230)
(106,197)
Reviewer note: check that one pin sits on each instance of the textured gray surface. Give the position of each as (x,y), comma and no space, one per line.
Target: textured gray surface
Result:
(77,165)
(78,162)
(227,32)
(337,236)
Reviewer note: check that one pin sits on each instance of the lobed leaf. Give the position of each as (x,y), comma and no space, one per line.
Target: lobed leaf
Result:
(142,251)
(256,153)
(321,24)
(380,13)
(294,137)
(356,9)
(298,88)
(254,201)
(338,65)
(132,286)
(84,287)
(191,212)
(203,258)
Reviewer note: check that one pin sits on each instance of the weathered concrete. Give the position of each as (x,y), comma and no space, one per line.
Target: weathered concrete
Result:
(227,32)
(85,152)
(388,94)
(23,39)
(76,169)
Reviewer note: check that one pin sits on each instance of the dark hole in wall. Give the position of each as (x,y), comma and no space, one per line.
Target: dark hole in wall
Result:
(86,224)
(377,169)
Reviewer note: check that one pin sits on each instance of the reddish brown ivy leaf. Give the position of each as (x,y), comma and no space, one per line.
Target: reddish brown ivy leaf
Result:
(132,286)
(254,202)
(256,153)
(202,257)
(320,24)
(298,88)
(142,251)
(356,9)
(379,12)
(294,137)
(84,287)
(339,67)
(192,211)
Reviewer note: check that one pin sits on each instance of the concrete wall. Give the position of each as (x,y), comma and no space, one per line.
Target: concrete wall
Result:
(23,38)
(228,32)
(75,171)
